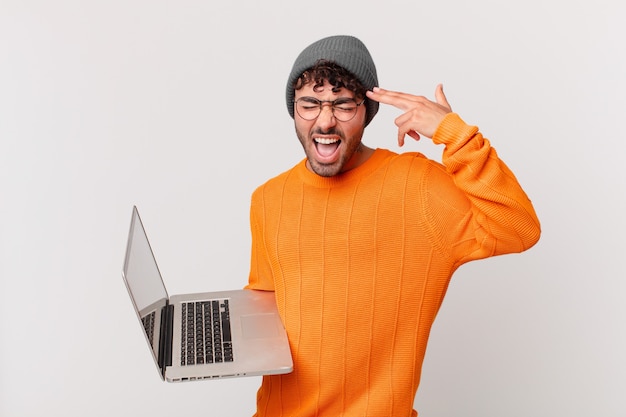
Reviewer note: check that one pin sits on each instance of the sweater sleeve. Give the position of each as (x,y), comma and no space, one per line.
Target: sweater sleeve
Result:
(260,277)
(497,217)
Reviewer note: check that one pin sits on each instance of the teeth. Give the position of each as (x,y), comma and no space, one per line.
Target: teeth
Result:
(325,141)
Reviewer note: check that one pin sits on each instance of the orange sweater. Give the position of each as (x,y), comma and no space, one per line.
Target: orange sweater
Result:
(360,264)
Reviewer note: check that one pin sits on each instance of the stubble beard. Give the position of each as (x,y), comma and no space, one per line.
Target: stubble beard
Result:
(336,168)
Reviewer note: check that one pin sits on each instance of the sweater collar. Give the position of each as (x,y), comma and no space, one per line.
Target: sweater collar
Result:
(355,174)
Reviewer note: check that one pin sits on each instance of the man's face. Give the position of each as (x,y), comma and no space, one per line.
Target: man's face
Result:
(331,146)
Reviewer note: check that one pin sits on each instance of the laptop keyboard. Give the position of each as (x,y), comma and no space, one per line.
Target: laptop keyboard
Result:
(206,336)
(148,325)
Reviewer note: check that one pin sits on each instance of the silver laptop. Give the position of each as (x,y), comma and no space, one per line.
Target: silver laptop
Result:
(204,335)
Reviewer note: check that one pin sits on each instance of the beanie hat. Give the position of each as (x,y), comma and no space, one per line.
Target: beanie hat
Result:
(347,52)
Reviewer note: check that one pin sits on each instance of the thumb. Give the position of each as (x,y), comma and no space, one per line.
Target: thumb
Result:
(441,97)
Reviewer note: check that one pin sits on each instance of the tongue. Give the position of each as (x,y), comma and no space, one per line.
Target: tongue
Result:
(327,150)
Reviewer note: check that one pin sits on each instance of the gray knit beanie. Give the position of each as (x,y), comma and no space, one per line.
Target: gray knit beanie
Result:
(347,52)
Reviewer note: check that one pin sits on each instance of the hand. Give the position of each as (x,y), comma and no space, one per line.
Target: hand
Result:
(421,116)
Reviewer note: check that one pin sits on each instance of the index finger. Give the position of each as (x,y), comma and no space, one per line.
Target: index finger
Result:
(403,101)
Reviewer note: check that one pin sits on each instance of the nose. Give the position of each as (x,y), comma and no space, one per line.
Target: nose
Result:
(326,118)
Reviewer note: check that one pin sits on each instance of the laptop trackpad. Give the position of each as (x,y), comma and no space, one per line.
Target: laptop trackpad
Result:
(259,326)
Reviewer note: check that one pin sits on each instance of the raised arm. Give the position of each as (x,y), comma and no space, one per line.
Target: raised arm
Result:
(500,218)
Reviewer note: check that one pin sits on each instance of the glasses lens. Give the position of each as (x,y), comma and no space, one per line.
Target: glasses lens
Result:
(308,108)
(344,109)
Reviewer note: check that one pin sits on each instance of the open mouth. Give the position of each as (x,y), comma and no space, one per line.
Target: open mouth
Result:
(326,148)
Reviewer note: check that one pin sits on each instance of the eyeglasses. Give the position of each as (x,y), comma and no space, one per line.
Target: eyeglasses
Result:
(344,109)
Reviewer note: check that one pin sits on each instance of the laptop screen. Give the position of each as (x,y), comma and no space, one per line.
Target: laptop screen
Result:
(141,272)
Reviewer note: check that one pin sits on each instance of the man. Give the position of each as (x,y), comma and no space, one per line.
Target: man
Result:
(359,244)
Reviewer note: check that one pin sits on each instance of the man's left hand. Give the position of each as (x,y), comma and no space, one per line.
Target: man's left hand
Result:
(421,116)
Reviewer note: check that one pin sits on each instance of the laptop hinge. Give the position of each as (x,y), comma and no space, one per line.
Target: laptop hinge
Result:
(165,342)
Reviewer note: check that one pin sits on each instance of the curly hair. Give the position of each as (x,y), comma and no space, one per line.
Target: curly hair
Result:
(337,76)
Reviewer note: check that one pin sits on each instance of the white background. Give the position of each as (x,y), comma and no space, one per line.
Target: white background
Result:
(178,107)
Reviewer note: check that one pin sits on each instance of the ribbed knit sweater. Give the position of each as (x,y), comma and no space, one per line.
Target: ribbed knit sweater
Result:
(360,264)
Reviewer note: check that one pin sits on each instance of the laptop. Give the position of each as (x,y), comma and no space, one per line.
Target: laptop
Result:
(204,335)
